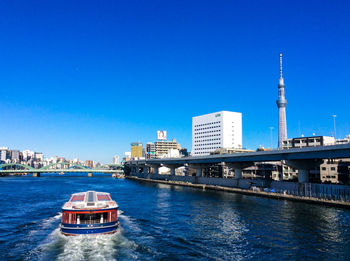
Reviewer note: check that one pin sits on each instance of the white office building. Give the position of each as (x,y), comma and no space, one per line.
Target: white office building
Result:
(216,130)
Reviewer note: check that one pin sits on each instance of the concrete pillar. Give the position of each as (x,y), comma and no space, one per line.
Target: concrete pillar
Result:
(223,169)
(303,167)
(155,169)
(145,170)
(238,168)
(199,172)
(172,171)
(303,176)
(199,169)
(238,173)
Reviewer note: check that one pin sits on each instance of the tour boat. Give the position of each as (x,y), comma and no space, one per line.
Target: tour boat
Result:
(89,212)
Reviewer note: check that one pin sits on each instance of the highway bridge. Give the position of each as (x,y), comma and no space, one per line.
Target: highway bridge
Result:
(302,159)
(59,168)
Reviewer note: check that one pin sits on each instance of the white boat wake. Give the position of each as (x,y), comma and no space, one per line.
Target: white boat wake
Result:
(84,247)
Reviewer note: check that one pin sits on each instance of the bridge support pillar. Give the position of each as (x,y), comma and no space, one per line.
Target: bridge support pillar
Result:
(238,168)
(198,168)
(172,168)
(238,173)
(145,170)
(36,174)
(303,167)
(155,169)
(199,172)
(89,174)
(303,176)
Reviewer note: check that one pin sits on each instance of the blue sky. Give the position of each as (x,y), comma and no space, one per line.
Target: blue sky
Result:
(86,78)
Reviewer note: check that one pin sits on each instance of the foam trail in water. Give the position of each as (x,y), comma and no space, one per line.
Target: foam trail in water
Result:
(129,222)
(45,224)
(85,247)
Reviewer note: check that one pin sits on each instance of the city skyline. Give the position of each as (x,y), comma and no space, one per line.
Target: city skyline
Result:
(86,88)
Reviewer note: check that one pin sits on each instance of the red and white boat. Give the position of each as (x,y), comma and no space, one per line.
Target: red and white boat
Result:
(89,212)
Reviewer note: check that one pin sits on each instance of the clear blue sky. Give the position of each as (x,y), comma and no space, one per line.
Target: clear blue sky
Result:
(85,78)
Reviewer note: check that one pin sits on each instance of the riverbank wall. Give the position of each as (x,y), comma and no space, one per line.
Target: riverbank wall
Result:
(325,194)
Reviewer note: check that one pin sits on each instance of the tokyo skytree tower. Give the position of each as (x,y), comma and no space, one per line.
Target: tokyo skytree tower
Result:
(281,104)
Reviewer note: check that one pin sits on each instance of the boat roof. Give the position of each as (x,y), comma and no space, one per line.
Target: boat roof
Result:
(90,200)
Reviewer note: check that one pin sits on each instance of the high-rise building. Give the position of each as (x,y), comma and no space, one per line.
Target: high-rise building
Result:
(38,156)
(281,104)
(89,163)
(116,159)
(4,153)
(15,155)
(216,130)
(136,149)
(28,155)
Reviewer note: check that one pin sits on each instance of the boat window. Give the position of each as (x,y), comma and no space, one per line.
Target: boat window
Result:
(91,197)
(96,218)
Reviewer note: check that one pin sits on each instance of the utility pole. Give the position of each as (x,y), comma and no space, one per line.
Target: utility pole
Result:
(335,131)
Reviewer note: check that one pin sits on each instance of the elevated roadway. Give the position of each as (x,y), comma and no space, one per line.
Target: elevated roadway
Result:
(302,159)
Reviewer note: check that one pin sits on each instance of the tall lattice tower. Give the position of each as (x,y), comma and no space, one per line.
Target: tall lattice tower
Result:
(281,104)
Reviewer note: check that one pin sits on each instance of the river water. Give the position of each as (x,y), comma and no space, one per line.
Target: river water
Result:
(161,222)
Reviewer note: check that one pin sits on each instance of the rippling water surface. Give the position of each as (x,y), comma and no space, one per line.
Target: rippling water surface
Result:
(161,222)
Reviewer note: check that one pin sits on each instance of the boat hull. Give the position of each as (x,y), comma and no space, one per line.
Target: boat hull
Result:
(82,229)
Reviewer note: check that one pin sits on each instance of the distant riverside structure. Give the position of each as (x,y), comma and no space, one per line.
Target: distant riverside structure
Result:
(13,159)
(216,130)
(89,163)
(163,148)
(136,150)
(150,150)
(281,104)
(116,159)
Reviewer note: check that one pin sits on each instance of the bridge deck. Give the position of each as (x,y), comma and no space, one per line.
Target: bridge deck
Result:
(321,152)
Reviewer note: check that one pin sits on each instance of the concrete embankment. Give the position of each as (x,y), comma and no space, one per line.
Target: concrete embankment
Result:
(235,186)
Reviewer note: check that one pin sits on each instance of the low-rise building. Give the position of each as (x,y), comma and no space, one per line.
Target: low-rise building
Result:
(150,150)
(312,141)
(162,147)
(335,171)
(331,171)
